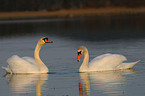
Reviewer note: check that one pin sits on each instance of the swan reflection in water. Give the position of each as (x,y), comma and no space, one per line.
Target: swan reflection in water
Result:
(107,82)
(27,83)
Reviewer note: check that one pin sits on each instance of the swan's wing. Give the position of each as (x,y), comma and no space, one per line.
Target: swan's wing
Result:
(106,62)
(127,65)
(100,57)
(29,59)
(20,65)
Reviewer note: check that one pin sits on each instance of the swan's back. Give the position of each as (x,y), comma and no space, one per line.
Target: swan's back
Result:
(106,62)
(21,65)
(30,60)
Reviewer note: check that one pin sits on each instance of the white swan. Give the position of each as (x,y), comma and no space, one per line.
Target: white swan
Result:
(28,64)
(103,62)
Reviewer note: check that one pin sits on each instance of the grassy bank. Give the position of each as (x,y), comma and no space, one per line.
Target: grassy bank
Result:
(69,13)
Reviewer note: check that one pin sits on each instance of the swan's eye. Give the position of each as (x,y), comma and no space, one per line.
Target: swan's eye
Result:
(45,39)
(79,53)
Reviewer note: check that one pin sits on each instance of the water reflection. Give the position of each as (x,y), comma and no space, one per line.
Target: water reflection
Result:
(86,82)
(27,83)
(94,28)
(110,82)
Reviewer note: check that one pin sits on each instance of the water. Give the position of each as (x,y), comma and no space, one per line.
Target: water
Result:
(100,35)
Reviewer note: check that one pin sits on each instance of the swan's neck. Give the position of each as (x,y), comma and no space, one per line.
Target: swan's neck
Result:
(84,66)
(36,54)
(41,66)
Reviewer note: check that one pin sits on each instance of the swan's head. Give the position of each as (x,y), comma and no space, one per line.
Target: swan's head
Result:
(44,40)
(80,51)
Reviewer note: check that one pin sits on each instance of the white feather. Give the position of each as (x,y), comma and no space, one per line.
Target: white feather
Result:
(27,64)
(104,62)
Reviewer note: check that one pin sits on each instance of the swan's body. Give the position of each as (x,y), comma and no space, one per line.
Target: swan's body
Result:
(28,64)
(103,63)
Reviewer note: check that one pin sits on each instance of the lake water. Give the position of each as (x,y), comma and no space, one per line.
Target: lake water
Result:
(123,34)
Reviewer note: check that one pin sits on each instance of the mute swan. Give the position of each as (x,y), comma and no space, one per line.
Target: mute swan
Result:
(103,62)
(28,64)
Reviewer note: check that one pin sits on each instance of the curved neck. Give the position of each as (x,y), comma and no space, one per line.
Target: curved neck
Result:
(36,55)
(41,66)
(84,66)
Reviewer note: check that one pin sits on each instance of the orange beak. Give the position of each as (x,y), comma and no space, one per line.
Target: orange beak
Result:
(48,41)
(79,56)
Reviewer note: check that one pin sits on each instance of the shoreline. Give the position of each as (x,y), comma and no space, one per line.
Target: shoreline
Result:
(72,13)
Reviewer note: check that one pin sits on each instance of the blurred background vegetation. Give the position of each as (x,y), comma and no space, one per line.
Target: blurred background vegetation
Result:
(53,5)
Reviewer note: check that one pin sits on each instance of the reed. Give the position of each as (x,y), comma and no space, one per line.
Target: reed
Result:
(70,13)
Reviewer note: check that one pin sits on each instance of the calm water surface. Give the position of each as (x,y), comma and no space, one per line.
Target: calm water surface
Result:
(100,35)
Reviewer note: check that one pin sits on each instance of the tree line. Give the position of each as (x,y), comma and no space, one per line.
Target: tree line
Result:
(52,5)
